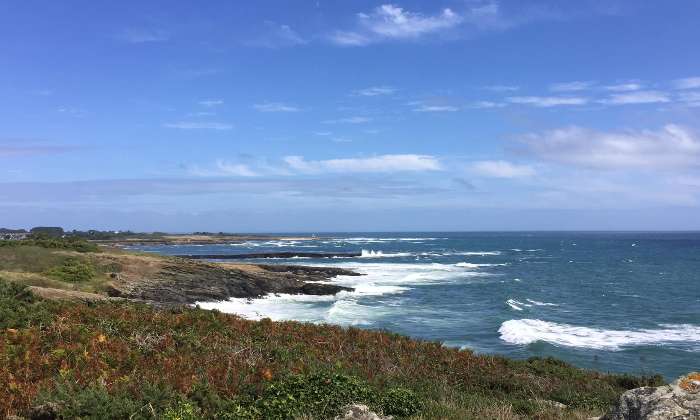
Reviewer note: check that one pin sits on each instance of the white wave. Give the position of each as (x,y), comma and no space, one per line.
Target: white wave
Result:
(538,303)
(514,304)
(477,253)
(517,305)
(349,308)
(276,307)
(473,265)
(526,331)
(380,254)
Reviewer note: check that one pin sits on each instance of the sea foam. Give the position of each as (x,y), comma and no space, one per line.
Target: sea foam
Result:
(527,331)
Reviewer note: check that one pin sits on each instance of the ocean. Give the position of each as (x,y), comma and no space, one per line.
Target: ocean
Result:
(616,302)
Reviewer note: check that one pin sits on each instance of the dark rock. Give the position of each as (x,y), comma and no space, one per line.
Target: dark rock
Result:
(46,411)
(181,281)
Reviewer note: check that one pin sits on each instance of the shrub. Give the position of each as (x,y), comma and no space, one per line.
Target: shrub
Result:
(70,244)
(20,308)
(320,394)
(400,402)
(73,270)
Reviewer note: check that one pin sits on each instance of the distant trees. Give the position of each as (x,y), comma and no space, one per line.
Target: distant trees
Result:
(47,231)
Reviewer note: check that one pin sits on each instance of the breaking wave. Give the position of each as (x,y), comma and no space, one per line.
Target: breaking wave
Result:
(527,331)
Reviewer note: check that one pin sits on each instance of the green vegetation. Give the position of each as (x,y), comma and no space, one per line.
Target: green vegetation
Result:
(73,270)
(124,360)
(68,244)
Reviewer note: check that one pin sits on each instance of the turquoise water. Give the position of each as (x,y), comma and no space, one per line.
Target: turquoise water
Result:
(621,302)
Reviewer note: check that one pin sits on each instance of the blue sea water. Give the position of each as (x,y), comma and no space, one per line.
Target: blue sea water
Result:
(618,302)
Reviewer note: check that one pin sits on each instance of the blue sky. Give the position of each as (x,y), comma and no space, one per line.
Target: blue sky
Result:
(350,115)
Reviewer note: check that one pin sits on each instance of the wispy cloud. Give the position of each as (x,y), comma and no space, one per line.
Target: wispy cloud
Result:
(211,102)
(501,88)
(349,120)
(375,91)
(275,107)
(501,169)
(436,108)
(637,97)
(487,105)
(547,101)
(571,86)
(195,125)
(141,35)
(624,87)
(690,98)
(277,36)
(72,111)
(28,147)
(390,22)
(671,147)
(382,163)
(687,83)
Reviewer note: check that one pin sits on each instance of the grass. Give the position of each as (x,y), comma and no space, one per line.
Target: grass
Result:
(68,264)
(124,360)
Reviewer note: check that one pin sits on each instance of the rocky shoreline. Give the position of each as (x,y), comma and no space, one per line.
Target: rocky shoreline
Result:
(177,281)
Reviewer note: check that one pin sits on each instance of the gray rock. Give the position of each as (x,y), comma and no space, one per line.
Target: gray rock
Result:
(360,412)
(678,401)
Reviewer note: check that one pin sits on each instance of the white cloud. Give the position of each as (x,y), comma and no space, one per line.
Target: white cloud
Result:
(382,163)
(349,120)
(668,148)
(375,91)
(547,101)
(639,97)
(237,169)
(501,169)
(277,36)
(571,86)
(487,105)
(690,98)
(193,125)
(275,107)
(323,133)
(436,108)
(75,112)
(687,83)
(624,87)
(141,36)
(211,102)
(390,22)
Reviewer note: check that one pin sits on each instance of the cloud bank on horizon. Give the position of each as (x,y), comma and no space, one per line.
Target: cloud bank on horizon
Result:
(445,115)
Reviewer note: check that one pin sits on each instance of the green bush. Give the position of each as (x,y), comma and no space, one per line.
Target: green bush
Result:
(97,402)
(73,270)
(20,308)
(400,402)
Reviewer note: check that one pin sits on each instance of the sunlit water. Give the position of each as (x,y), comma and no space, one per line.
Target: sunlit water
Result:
(622,302)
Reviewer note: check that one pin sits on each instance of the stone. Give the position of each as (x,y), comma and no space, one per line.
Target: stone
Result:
(360,412)
(678,401)
(46,411)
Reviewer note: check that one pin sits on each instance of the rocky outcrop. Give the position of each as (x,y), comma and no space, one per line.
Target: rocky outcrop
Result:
(678,401)
(182,281)
(360,412)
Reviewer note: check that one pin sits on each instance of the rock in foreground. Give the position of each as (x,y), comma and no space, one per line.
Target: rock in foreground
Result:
(360,412)
(678,401)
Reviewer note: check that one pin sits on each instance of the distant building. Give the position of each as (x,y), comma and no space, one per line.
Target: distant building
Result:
(13,234)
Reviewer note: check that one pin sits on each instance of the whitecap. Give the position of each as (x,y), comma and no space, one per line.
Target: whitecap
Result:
(380,254)
(526,331)
(538,303)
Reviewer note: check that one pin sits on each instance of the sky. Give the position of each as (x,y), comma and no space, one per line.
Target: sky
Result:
(321,116)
